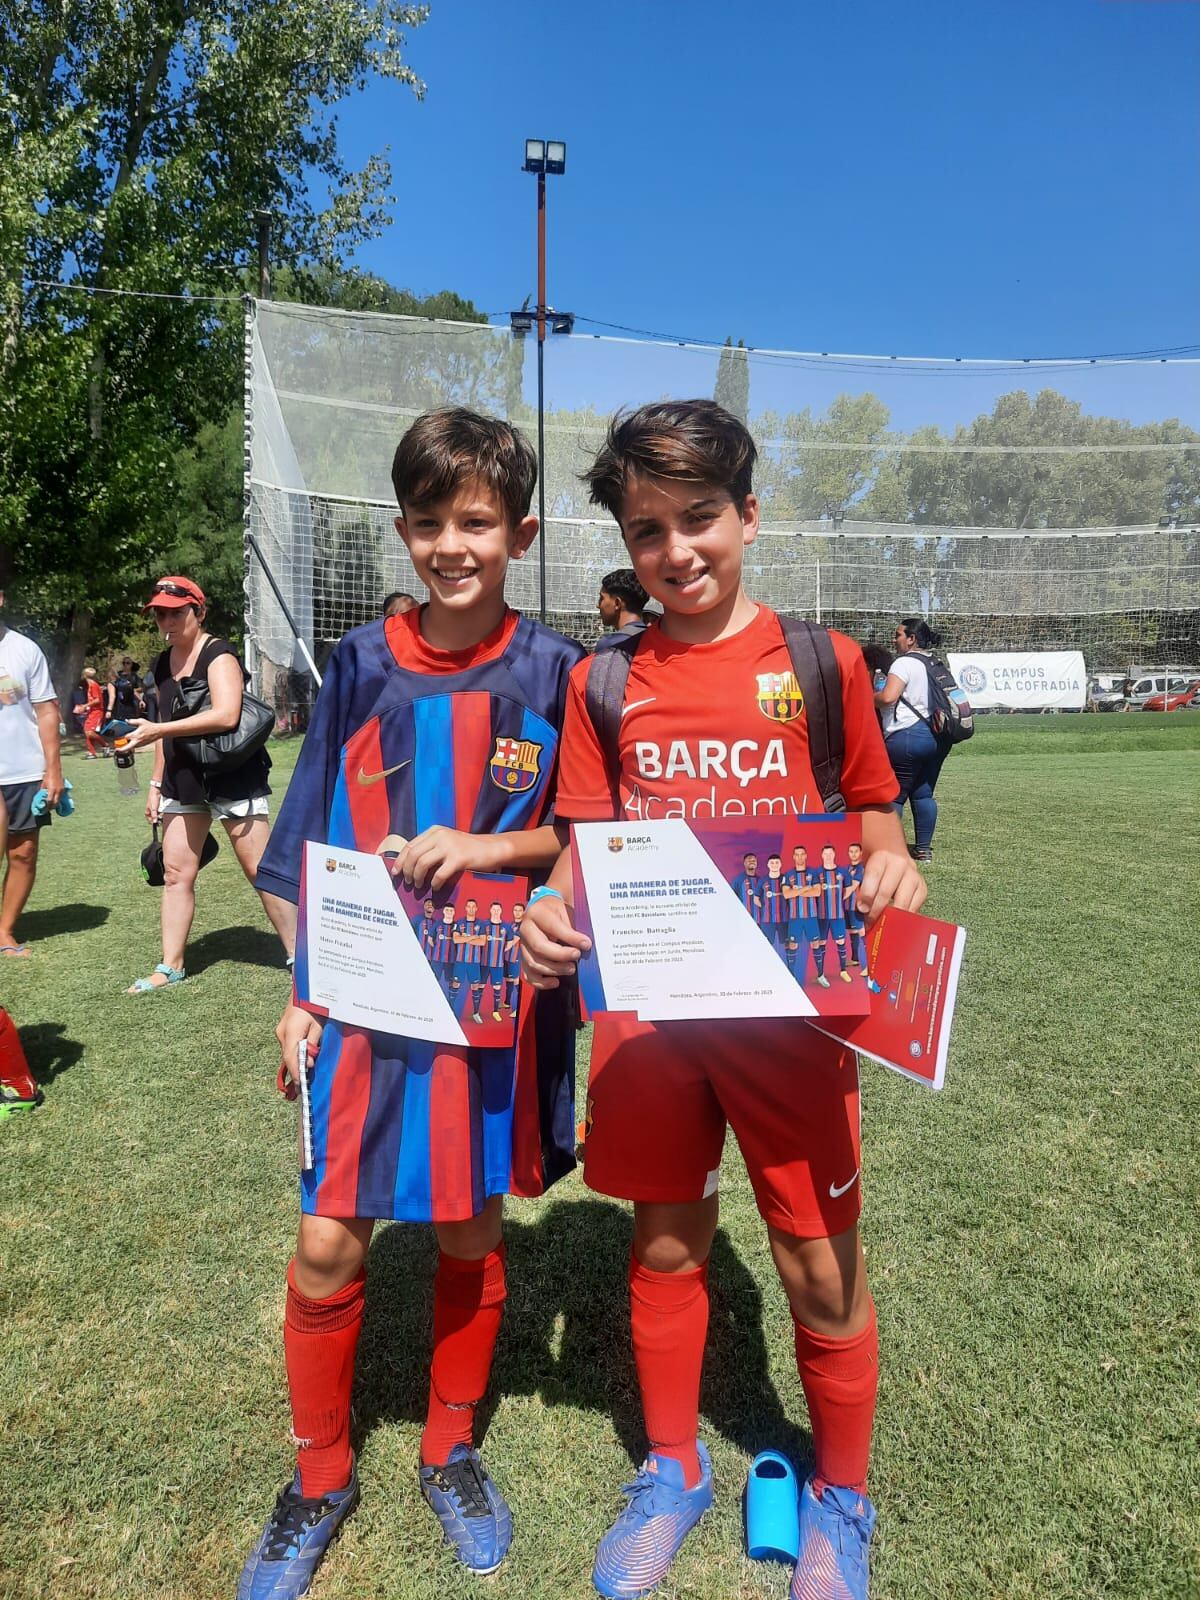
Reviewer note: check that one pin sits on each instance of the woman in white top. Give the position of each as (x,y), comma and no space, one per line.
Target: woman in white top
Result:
(915,754)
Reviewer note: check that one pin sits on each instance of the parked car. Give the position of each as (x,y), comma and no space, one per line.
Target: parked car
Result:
(1106,692)
(1157,683)
(1176,701)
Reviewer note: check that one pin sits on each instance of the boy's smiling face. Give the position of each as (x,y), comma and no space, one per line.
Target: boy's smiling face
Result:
(686,542)
(461,547)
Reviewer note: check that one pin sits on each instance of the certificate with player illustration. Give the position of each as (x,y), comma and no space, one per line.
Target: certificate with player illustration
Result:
(750,917)
(373,954)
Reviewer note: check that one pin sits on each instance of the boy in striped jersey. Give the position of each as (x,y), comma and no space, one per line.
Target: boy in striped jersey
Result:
(441,726)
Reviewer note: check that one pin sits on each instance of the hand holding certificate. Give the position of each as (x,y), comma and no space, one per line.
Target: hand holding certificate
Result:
(358,958)
(747,917)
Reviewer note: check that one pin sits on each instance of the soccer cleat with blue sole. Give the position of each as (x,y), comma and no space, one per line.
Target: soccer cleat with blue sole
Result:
(636,1553)
(297,1535)
(835,1538)
(473,1513)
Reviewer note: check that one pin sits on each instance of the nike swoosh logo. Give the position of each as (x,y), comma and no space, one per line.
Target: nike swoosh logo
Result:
(634,704)
(375,777)
(835,1193)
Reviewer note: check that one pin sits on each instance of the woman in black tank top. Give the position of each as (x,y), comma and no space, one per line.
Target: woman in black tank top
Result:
(182,795)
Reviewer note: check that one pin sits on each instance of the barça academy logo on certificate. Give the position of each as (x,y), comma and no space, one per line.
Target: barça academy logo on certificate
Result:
(330,864)
(616,844)
(779,696)
(515,765)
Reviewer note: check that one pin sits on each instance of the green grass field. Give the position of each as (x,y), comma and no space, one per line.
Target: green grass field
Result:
(1031,1234)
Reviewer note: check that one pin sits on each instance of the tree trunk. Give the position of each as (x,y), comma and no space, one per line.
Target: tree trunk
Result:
(68,652)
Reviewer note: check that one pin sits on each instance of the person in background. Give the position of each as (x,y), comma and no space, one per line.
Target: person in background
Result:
(395,605)
(123,705)
(622,606)
(30,759)
(879,661)
(915,754)
(92,711)
(182,794)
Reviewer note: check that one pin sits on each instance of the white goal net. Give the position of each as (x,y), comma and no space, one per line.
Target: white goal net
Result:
(1014,505)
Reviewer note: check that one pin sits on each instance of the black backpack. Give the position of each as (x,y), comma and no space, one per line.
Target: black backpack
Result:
(950,719)
(816,669)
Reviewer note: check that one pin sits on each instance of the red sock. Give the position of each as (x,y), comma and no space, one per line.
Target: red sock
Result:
(668,1315)
(840,1377)
(468,1303)
(320,1338)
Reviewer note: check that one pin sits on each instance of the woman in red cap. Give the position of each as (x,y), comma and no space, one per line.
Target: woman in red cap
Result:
(182,796)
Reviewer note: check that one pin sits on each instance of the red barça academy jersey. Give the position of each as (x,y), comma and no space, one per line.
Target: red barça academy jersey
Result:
(708,732)
(405,737)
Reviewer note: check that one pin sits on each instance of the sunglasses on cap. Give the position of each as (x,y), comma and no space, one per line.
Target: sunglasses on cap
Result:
(177,590)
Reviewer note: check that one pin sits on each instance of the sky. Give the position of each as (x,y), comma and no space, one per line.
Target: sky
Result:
(1013,179)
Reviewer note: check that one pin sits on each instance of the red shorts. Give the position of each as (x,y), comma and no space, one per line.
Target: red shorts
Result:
(660,1096)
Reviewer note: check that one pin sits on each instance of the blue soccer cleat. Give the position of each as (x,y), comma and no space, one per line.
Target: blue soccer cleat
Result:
(297,1535)
(835,1535)
(637,1551)
(473,1513)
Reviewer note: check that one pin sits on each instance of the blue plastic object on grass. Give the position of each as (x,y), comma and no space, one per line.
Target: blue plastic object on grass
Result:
(65,806)
(772,1509)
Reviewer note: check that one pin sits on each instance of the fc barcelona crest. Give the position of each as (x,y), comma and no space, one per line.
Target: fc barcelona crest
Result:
(779,696)
(515,765)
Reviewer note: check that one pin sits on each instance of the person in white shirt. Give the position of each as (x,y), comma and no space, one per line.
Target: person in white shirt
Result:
(915,754)
(30,759)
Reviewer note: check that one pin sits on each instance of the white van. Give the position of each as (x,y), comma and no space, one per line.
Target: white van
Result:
(1156,683)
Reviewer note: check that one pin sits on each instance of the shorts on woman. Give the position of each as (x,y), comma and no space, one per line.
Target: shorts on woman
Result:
(219,810)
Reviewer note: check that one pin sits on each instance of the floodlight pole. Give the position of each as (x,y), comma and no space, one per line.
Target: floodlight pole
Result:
(541,390)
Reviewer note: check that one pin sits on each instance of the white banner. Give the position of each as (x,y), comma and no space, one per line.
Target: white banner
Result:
(1032,680)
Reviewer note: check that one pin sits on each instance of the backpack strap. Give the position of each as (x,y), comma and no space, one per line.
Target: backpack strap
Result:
(604,697)
(816,669)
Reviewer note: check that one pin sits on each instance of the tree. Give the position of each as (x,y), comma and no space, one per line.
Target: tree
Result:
(138,137)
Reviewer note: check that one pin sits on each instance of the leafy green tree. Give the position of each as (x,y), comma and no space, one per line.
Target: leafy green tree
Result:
(138,136)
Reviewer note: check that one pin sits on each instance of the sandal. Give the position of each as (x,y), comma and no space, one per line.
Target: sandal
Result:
(21,950)
(148,986)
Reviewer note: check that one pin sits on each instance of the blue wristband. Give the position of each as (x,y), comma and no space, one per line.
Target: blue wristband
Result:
(541,894)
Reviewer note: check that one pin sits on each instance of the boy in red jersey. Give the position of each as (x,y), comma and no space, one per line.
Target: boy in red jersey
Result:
(702,737)
(405,744)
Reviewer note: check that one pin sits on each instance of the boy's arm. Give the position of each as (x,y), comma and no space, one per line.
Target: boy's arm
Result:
(890,877)
(550,946)
(434,857)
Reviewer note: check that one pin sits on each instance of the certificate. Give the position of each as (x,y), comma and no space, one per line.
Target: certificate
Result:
(671,938)
(358,958)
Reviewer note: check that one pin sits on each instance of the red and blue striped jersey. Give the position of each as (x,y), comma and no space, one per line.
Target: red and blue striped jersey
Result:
(854,878)
(402,738)
(512,959)
(497,934)
(802,907)
(425,929)
(745,886)
(467,932)
(445,946)
(832,884)
(775,906)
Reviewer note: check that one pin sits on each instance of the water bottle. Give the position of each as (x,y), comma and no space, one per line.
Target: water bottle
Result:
(123,760)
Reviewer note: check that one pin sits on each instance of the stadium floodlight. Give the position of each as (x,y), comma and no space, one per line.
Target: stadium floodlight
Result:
(543,156)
